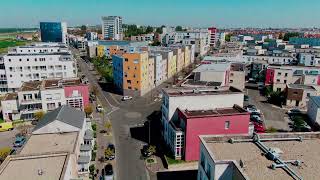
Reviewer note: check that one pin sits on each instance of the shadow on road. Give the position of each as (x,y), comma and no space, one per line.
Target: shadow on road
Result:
(191,174)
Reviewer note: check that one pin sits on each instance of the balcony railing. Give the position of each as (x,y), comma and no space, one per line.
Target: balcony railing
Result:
(31,101)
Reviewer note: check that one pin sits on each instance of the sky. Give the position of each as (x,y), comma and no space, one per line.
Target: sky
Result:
(196,13)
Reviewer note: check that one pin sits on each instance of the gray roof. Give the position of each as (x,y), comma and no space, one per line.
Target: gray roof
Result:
(316,100)
(221,67)
(64,114)
(88,135)
(83,159)
(85,147)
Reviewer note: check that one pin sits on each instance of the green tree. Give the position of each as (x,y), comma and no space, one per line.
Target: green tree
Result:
(228,37)
(149,30)
(83,28)
(289,35)
(92,169)
(280,36)
(159,30)
(179,28)
(156,42)
(108,126)
(152,149)
(298,123)
(39,115)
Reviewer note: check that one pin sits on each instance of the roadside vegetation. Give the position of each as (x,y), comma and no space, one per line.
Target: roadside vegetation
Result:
(104,67)
(6,43)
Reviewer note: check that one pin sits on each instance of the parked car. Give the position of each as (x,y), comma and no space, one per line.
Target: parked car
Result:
(255,113)
(13,152)
(125,98)
(260,85)
(6,126)
(294,111)
(108,172)
(253,110)
(259,128)
(145,151)
(111,156)
(99,108)
(19,142)
(255,118)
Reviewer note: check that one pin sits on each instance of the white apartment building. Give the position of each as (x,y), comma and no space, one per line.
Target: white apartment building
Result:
(192,99)
(35,63)
(44,96)
(308,59)
(112,28)
(144,37)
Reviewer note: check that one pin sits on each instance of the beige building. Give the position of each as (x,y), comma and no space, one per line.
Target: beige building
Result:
(237,76)
(297,95)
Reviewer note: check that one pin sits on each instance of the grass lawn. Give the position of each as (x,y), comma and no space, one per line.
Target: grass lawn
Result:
(5,43)
(1,120)
(173,161)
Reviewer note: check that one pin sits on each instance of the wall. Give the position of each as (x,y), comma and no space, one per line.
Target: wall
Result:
(9,106)
(55,96)
(204,102)
(269,76)
(313,111)
(237,79)
(239,124)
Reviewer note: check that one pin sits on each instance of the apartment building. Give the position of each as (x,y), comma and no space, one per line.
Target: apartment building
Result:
(145,37)
(131,73)
(248,157)
(46,95)
(112,28)
(231,120)
(35,63)
(160,68)
(308,59)
(297,95)
(280,76)
(213,32)
(203,99)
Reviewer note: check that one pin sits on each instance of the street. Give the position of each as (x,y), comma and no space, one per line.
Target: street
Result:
(123,116)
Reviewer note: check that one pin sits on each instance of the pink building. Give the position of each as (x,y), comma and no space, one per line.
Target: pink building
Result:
(213,34)
(233,120)
(269,77)
(77,95)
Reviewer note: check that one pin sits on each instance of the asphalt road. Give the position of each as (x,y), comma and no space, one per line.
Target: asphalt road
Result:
(124,117)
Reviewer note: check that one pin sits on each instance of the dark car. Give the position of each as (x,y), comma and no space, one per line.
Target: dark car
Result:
(108,172)
(145,151)
(19,142)
(112,148)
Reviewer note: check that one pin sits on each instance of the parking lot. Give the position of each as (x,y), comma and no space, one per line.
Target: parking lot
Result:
(273,116)
(7,138)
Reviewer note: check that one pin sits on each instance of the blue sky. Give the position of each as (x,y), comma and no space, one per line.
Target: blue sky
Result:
(199,13)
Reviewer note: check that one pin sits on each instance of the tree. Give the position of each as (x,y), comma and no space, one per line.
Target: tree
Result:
(94,90)
(39,115)
(298,123)
(149,30)
(92,169)
(179,28)
(156,42)
(289,35)
(159,30)
(228,37)
(88,110)
(83,28)
(280,36)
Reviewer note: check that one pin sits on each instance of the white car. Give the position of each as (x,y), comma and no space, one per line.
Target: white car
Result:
(125,98)
(253,110)
(99,108)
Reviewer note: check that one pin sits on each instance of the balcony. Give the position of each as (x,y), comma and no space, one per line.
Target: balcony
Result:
(84,159)
(88,135)
(28,111)
(30,101)
(85,147)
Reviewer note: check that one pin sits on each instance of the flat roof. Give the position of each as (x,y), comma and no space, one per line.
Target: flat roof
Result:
(212,67)
(45,143)
(257,166)
(37,54)
(10,96)
(188,91)
(54,83)
(235,110)
(29,167)
(31,86)
(300,86)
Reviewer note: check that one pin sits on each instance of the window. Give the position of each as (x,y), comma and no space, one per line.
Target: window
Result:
(126,59)
(231,81)
(129,81)
(9,60)
(286,74)
(208,170)
(227,125)
(136,61)
(285,81)
(20,60)
(279,73)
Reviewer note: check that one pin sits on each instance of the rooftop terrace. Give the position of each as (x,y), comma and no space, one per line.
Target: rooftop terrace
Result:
(215,112)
